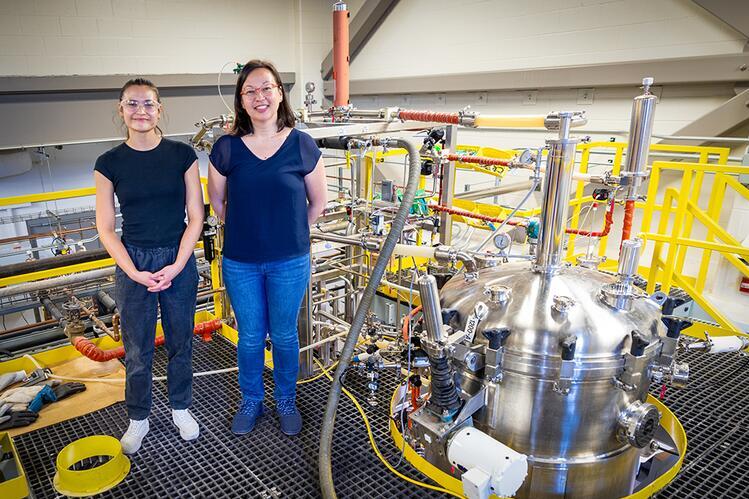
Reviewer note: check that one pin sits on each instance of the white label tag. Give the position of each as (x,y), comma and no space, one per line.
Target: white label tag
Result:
(471,325)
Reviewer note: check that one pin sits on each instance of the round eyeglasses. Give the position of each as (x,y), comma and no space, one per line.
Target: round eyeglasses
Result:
(265,91)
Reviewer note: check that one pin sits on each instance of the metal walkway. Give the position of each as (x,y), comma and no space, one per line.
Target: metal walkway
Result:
(266,463)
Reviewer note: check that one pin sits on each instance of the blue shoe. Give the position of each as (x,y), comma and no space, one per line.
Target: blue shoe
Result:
(246,417)
(289,416)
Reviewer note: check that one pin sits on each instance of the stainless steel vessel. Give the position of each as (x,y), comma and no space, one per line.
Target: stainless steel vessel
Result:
(563,414)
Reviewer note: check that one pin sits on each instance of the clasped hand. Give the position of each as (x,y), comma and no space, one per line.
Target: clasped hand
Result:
(159,280)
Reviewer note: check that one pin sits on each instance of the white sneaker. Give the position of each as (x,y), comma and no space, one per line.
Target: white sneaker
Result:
(133,437)
(188,427)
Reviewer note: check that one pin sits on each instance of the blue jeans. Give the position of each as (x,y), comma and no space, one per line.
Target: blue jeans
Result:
(266,298)
(137,307)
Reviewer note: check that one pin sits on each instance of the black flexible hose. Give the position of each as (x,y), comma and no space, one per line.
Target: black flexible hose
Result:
(444,392)
(328,425)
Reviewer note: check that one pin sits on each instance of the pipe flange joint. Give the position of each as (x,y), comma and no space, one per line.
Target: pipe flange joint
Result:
(638,423)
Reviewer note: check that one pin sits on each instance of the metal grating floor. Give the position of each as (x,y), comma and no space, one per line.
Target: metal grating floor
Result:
(268,464)
(264,463)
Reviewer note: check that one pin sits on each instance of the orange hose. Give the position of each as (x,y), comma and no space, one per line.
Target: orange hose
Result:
(93,352)
(407,321)
(629,214)
(341,58)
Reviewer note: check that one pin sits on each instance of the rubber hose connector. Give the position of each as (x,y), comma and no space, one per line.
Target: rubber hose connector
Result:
(444,393)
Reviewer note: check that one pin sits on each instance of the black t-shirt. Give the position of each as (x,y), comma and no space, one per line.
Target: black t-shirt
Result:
(266,210)
(150,186)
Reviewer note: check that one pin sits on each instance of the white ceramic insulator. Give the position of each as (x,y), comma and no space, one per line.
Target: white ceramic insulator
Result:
(411,250)
(482,456)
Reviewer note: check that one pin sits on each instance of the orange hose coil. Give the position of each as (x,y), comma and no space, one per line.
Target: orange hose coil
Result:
(93,352)
(469,214)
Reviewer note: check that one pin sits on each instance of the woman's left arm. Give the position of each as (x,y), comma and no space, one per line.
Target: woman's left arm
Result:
(195,210)
(317,191)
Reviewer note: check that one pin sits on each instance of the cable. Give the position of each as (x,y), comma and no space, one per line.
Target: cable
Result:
(218,84)
(374,444)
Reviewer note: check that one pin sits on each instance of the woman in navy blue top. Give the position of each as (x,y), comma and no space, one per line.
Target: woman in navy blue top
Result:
(266,180)
(156,181)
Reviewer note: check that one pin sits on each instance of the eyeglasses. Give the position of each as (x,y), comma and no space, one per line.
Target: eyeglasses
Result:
(266,91)
(149,106)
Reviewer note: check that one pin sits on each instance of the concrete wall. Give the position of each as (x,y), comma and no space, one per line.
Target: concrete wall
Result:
(425,37)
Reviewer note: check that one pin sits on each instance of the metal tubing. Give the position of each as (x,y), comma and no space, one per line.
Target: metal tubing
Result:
(447,186)
(430,305)
(640,132)
(30,287)
(559,167)
(493,191)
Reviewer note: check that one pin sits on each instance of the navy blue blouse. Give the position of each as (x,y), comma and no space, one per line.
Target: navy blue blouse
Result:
(266,207)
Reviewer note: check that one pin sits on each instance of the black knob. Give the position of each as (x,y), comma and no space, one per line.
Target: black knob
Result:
(600,194)
(568,345)
(497,337)
(415,380)
(448,314)
(372,348)
(639,343)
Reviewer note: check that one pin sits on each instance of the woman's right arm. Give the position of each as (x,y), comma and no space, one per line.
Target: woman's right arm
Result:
(217,191)
(105,225)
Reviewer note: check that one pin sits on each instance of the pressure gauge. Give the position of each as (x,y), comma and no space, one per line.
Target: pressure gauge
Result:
(212,220)
(502,241)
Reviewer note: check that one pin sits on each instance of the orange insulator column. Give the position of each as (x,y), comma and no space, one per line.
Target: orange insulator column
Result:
(340,54)
(629,214)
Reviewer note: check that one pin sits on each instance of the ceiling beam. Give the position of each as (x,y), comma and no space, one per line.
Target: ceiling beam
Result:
(734,13)
(370,16)
(724,118)
(703,69)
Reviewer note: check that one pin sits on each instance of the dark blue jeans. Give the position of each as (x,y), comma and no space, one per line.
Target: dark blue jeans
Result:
(266,298)
(138,307)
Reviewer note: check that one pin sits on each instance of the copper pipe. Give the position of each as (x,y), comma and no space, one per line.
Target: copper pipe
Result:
(341,54)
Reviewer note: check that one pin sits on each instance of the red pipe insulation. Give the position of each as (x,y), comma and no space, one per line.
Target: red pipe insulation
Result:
(407,321)
(410,115)
(479,160)
(93,352)
(340,56)
(629,215)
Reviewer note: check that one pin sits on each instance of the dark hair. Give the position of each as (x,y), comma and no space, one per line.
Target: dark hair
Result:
(242,122)
(140,82)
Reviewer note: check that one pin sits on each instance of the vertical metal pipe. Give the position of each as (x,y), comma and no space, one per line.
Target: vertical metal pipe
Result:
(306,333)
(556,195)
(448,186)
(340,54)
(640,132)
(629,257)
(430,304)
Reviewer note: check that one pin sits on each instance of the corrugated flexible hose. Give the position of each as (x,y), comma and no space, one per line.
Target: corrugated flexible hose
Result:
(328,425)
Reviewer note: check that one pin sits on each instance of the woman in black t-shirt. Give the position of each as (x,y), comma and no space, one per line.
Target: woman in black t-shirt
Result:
(156,180)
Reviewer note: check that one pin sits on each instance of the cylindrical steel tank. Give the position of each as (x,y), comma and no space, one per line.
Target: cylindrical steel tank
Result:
(572,440)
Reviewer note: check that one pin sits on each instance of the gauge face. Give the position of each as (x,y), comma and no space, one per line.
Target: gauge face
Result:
(212,220)
(502,241)
(526,156)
